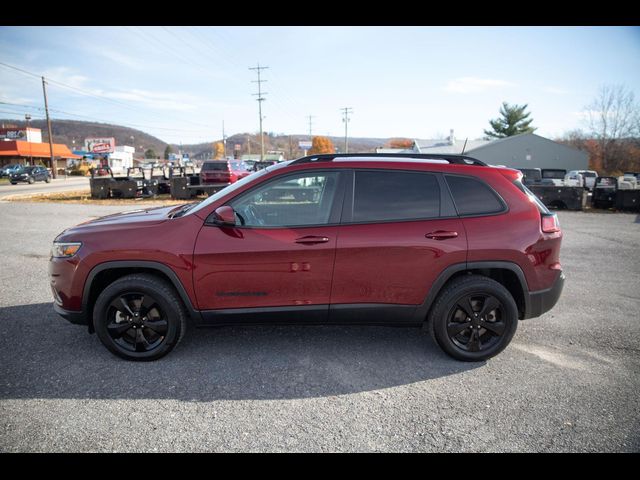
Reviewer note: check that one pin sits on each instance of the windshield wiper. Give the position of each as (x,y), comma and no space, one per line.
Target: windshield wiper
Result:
(184,209)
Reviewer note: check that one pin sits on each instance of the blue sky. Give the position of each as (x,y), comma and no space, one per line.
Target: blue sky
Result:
(180,83)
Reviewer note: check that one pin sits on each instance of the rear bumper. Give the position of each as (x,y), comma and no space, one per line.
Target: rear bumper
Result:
(77,318)
(544,300)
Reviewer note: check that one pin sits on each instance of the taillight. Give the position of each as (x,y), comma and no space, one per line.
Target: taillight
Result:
(550,223)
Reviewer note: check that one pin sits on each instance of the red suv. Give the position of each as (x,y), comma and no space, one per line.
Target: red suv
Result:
(443,241)
(222,172)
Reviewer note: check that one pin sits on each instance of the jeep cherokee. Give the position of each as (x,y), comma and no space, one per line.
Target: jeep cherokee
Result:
(441,241)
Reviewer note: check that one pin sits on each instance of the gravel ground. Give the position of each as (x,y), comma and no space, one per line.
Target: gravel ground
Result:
(569,381)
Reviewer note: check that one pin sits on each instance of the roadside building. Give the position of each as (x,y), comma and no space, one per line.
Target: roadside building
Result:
(24,146)
(526,150)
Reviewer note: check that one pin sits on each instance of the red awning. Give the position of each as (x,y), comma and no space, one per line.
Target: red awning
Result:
(19,148)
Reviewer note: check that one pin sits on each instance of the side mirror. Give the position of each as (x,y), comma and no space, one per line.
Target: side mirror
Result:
(224,216)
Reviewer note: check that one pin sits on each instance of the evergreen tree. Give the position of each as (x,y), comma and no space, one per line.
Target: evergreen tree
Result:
(167,151)
(514,121)
(150,153)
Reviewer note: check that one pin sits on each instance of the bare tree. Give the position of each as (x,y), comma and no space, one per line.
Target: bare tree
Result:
(613,117)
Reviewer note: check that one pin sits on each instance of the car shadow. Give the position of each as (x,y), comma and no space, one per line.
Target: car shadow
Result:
(43,356)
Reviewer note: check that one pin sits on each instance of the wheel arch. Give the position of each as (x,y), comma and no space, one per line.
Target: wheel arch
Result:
(105,273)
(508,274)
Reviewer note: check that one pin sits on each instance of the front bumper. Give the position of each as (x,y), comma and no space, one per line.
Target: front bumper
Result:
(77,318)
(544,300)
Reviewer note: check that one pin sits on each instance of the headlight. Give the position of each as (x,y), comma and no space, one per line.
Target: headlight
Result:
(65,249)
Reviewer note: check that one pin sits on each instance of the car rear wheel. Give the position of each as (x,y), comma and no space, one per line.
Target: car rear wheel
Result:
(31,180)
(139,317)
(474,318)
(47,179)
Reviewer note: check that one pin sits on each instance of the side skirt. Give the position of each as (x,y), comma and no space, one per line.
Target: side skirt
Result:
(351,314)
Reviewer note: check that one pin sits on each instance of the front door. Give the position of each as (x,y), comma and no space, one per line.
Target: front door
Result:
(279,257)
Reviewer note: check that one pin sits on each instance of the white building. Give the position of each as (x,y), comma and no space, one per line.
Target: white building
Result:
(121,158)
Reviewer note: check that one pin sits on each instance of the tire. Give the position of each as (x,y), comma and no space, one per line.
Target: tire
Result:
(483,335)
(47,179)
(14,183)
(161,323)
(31,180)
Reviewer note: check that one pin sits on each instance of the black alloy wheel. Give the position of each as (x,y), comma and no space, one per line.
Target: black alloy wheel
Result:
(475,322)
(474,318)
(139,317)
(136,322)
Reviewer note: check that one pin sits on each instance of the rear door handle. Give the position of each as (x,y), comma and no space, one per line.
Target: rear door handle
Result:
(441,235)
(312,239)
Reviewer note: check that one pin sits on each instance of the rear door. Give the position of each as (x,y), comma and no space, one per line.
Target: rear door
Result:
(399,231)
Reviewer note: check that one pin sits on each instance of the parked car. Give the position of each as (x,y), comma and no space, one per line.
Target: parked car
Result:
(581,178)
(465,248)
(7,170)
(222,172)
(30,175)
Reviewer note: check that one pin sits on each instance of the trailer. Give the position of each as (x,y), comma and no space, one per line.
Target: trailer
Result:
(561,197)
(605,192)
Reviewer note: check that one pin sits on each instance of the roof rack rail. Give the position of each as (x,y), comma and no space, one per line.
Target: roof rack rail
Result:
(451,158)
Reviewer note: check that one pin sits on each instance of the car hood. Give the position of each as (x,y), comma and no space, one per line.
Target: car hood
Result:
(123,220)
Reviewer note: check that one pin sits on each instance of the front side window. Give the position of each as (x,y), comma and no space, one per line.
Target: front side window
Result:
(295,200)
(393,195)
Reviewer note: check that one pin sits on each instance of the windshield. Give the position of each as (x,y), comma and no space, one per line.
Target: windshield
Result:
(235,186)
(226,190)
(553,173)
(220,166)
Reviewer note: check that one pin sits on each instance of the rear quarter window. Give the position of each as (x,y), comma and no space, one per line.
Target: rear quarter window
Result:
(473,197)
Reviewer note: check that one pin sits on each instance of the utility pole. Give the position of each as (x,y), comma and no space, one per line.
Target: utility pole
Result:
(260,100)
(346,111)
(224,141)
(54,173)
(27,117)
(310,117)
(290,149)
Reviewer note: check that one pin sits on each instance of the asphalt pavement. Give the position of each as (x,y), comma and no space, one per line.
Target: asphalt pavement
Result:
(569,381)
(60,184)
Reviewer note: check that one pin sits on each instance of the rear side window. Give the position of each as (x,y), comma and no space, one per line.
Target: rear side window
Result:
(473,197)
(388,195)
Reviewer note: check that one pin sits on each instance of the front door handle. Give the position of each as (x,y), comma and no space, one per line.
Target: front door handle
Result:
(441,235)
(312,239)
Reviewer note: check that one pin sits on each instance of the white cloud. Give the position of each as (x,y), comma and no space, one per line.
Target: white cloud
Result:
(474,84)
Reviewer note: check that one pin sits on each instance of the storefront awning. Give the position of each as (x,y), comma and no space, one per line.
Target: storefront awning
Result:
(19,148)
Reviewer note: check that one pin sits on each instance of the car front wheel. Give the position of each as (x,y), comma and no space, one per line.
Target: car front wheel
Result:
(474,318)
(47,179)
(139,317)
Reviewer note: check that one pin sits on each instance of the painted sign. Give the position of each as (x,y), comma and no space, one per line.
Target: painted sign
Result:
(304,144)
(100,145)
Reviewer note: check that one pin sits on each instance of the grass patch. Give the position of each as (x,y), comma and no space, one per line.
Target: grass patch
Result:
(84,197)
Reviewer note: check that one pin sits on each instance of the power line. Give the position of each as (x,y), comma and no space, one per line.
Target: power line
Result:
(91,94)
(260,99)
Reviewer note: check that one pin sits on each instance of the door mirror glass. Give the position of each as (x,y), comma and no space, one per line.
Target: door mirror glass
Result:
(224,216)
